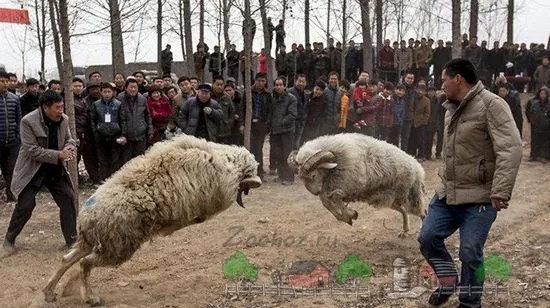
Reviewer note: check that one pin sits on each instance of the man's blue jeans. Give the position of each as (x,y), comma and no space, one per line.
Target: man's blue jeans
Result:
(474,222)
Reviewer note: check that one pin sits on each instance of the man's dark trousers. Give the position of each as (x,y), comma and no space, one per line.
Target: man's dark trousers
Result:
(473,222)
(63,195)
(282,145)
(257,139)
(8,157)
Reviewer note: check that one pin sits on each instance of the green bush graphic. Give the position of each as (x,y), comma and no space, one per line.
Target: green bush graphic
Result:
(495,267)
(238,267)
(353,268)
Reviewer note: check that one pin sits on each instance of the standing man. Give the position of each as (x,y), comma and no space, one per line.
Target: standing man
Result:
(410,100)
(228,109)
(10,116)
(423,57)
(84,133)
(280,34)
(514,102)
(166,60)
(136,121)
(442,55)
(217,62)
(332,110)
(186,91)
(261,104)
(298,91)
(12,83)
(403,60)
(281,125)
(199,60)
(464,200)
(46,146)
(352,64)
(386,60)
(29,100)
(233,59)
(201,116)
(280,61)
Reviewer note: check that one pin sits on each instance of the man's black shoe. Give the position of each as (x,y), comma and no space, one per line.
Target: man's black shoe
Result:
(441,295)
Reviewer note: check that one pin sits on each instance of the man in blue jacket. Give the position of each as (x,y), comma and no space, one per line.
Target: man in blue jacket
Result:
(10,116)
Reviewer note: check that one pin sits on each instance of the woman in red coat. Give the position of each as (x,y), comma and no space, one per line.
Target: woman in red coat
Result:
(160,110)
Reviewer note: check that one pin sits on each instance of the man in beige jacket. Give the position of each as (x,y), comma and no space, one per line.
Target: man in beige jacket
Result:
(46,145)
(482,154)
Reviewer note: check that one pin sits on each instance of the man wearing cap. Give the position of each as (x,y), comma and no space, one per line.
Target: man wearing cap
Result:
(229,112)
(29,100)
(201,116)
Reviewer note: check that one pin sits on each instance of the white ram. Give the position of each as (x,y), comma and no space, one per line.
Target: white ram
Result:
(346,168)
(175,184)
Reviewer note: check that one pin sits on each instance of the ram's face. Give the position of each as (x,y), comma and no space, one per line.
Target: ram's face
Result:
(249,178)
(314,181)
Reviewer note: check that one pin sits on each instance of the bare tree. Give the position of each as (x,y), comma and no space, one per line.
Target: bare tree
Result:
(247,68)
(201,21)
(41,34)
(457,47)
(181,33)
(188,36)
(379,19)
(117,42)
(159,38)
(55,32)
(306,20)
(367,38)
(474,17)
(64,26)
(328,21)
(344,37)
(510,23)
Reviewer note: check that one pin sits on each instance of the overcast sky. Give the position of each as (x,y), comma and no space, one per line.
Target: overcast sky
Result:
(532,24)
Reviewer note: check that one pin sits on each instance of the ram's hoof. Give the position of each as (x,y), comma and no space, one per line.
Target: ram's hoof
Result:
(94,301)
(403,234)
(49,296)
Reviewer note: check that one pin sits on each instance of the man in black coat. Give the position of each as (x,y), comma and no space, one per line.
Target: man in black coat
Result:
(200,116)
(514,101)
(29,100)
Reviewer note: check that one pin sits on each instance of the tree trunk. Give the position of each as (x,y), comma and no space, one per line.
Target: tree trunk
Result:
(226,12)
(201,21)
(510,32)
(328,21)
(344,38)
(306,20)
(159,38)
(188,36)
(285,4)
(267,43)
(41,35)
(247,67)
(367,39)
(182,36)
(379,20)
(56,43)
(474,17)
(64,26)
(117,42)
(457,46)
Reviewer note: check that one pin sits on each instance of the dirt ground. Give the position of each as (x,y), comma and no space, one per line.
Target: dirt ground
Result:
(185,269)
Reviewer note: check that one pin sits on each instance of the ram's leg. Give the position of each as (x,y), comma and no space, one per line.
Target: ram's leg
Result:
(85,291)
(338,208)
(405,223)
(68,260)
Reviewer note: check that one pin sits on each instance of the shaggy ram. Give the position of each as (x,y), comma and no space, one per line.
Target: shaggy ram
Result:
(345,168)
(175,184)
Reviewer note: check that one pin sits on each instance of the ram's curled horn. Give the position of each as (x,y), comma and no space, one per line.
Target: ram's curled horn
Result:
(291,161)
(316,159)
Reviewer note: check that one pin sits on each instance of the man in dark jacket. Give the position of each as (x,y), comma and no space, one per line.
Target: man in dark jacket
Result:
(10,116)
(217,62)
(306,61)
(105,118)
(233,58)
(538,114)
(84,133)
(46,146)
(301,99)
(410,100)
(281,124)
(137,123)
(442,55)
(280,34)
(261,104)
(280,61)
(332,110)
(201,116)
(290,64)
(166,60)
(228,109)
(351,62)
(29,100)
(436,124)
(496,60)
(385,61)
(514,101)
